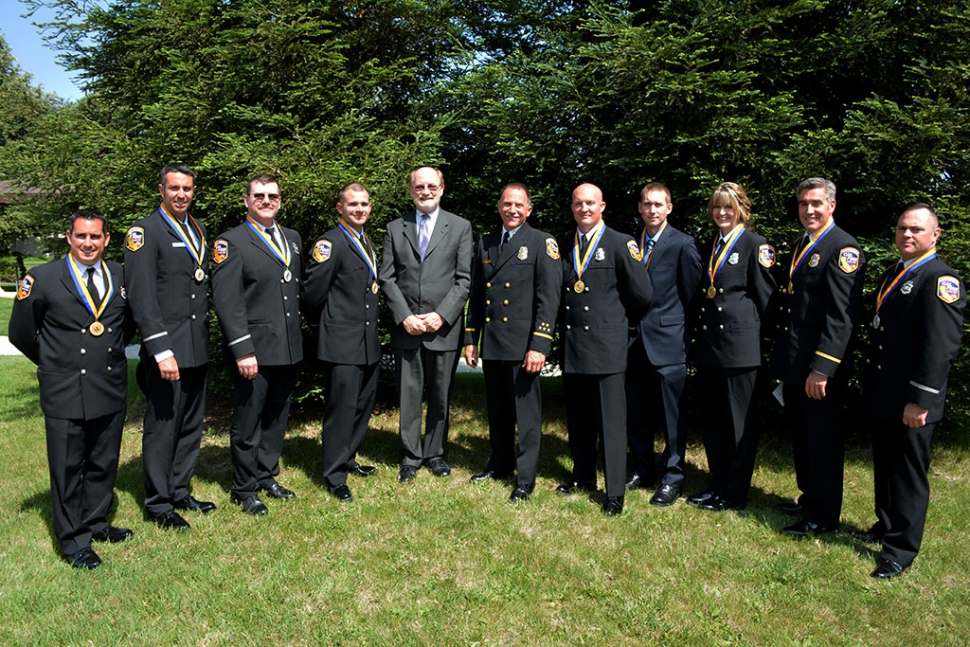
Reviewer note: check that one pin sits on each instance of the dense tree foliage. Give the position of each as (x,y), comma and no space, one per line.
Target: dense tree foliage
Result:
(552,93)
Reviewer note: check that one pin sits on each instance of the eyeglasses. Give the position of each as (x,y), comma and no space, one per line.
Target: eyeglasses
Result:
(272,197)
(431,188)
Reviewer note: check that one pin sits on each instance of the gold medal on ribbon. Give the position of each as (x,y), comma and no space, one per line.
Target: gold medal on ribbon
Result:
(711,292)
(96,329)
(791,288)
(579,287)
(374,287)
(199,274)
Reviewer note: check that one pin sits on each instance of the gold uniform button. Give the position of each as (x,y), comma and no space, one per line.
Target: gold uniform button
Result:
(83,372)
(488,302)
(505,319)
(488,285)
(84,352)
(487,319)
(193,316)
(720,309)
(508,285)
(109,369)
(193,296)
(505,303)
(585,327)
(585,308)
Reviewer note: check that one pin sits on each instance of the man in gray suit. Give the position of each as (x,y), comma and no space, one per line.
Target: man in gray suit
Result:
(425,274)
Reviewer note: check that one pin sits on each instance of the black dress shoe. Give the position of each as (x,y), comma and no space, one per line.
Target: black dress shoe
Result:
(805,528)
(572,487)
(484,475)
(439,467)
(613,506)
(407,473)
(717,504)
(171,520)
(189,502)
(665,495)
(522,492)
(112,534)
(699,498)
(791,508)
(361,470)
(277,491)
(341,492)
(254,506)
(871,536)
(888,569)
(84,558)
(637,482)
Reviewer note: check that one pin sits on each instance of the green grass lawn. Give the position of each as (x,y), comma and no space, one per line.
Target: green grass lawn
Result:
(6,307)
(442,562)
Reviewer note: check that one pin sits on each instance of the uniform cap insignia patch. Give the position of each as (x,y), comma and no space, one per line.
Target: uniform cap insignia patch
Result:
(907,287)
(135,239)
(25,286)
(321,251)
(766,255)
(948,289)
(220,251)
(552,249)
(523,253)
(630,245)
(733,258)
(849,259)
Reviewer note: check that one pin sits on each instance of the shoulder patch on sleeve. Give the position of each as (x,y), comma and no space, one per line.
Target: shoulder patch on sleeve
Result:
(849,259)
(321,250)
(947,289)
(220,250)
(552,249)
(135,239)
(634,250)
(27,283)
(766,255)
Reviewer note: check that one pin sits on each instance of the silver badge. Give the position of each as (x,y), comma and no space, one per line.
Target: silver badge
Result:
(907,287)
(733,259)
(124,292)
(287,275)
(875,322)
(523,253)
(813,261)
(199,274)
(600,254)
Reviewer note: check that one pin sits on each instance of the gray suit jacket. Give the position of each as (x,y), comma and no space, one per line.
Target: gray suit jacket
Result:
(439,284)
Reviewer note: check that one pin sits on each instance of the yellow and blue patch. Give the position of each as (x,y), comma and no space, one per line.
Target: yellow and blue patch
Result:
(948,289)
(25,286)
(220,251)
(135,239)
(322,251)
(552,249)
(766,255)
(849,259)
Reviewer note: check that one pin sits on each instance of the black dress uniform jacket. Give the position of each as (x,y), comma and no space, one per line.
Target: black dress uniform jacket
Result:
(814,321)
(912,349)
(168,304)
(596,322)
(514,294)
(81,376)
(258,310)
(729,325)
(339,299)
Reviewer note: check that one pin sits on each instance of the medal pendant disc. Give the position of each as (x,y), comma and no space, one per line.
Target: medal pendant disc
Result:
(287,275)
(199,274)
(875,321)
(374,287)
(96,329)
(579,286)
(711,292)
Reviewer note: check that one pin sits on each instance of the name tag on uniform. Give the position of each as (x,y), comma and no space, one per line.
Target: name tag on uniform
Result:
(178,244)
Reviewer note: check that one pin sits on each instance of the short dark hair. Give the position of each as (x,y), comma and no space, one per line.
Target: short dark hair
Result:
(261,178)
(655,186)
(520,187)
(353,186)
(176,168)
(88,214)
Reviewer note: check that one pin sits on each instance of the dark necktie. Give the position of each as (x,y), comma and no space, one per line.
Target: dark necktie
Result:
(93,288)
(505,240)
(648,251)
(271,232)
(184,224)
(718,247)
(583,244)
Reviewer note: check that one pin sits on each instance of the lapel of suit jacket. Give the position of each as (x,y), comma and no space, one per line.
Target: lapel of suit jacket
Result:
(411,231)
(500,259)
(68,281)
(440,231)
(659,249)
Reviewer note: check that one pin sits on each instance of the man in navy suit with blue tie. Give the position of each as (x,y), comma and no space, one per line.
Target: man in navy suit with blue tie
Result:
(656,363)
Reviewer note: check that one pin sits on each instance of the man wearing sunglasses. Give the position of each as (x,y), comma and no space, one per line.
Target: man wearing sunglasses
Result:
(256,273)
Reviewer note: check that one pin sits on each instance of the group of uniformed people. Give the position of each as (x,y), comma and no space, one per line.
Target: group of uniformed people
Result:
(625,309)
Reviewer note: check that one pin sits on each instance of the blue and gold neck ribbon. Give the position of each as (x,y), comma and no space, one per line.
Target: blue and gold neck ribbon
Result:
(643,243)
(282,255)
(797,262)
(366,252)
(198,255)
(82,287)
(888,286)
(593,237)
(714,264)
